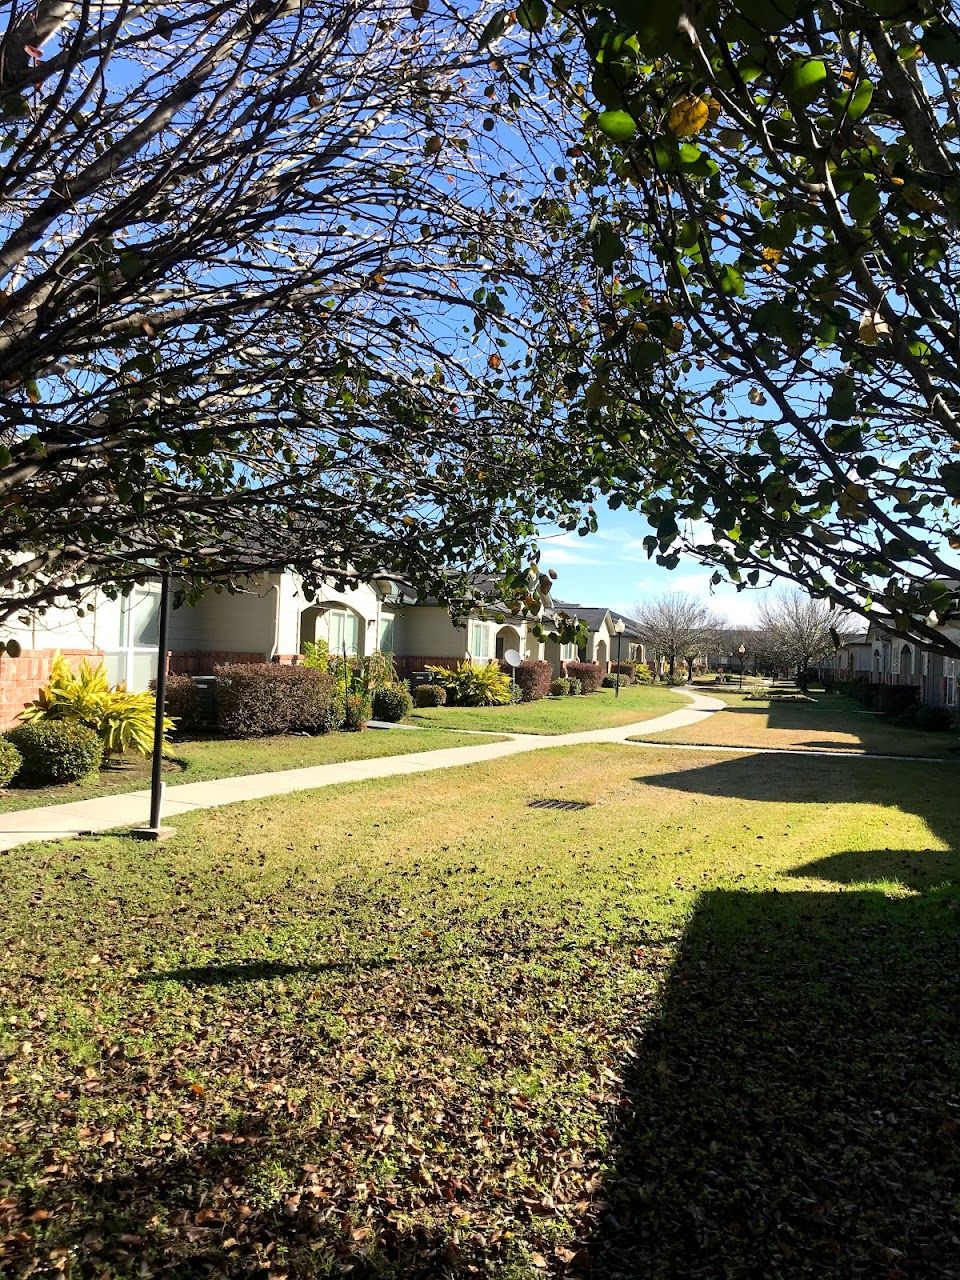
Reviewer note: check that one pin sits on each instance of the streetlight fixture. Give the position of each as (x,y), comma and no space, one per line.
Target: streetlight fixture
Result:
(619,628)
(741,650)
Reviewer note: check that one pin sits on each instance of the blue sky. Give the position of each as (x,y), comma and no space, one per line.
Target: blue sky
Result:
(611,568)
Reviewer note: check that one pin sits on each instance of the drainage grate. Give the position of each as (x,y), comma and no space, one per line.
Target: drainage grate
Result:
(568,805)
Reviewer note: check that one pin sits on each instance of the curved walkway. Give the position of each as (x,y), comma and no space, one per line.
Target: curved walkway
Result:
(112,813)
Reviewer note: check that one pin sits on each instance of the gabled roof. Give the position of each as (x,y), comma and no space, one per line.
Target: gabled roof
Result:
(592,615)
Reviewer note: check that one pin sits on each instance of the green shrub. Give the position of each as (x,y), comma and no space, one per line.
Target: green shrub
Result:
(430,695)
(516,694)
(316,655)
(379,671)
(471,686)
(356,712)
(932,719)
(575,686)
(56,750)
(10,762)
(560,688)
(643,674)
(590,675)
(392,702)
(123,721)
(533,678)
(182,702)
(254,699)
(610,680)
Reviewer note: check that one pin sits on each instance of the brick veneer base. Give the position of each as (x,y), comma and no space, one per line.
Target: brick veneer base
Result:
(201,662)
(21,678)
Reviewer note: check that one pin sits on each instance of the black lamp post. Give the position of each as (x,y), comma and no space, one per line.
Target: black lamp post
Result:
(619,629)
(741,650)
(153,831)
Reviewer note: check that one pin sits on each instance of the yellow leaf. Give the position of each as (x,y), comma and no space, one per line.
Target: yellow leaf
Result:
(873,327)
(687,116)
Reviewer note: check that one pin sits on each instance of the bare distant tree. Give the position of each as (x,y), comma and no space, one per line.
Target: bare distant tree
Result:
(677,626)
(800,629)
(270,272)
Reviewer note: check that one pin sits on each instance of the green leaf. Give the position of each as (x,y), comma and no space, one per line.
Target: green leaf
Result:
(644,356)
(607,248)
(731,282)
(841,403)
(532,15)
(863,202)
(950,478)
(769,16)
(804,80)
(860,101)
(494,28)
(617,125)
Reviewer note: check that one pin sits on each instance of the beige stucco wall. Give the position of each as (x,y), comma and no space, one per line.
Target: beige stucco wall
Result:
(60,628)
(244,622)
(427,631)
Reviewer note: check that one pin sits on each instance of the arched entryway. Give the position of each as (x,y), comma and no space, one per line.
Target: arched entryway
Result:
(602,653)
(906,661)
(507,638)
(341,628)
(876,662)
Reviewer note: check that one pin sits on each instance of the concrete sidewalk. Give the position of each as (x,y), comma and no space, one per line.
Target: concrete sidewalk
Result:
(113,813)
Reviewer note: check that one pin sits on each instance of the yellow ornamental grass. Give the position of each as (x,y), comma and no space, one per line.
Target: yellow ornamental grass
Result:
(123,721)
(687,116)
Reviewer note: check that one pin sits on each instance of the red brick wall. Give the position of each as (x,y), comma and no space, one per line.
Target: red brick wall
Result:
(200,662)
(21,678)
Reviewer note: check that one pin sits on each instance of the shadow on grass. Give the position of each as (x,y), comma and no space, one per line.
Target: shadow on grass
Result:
(794,1110)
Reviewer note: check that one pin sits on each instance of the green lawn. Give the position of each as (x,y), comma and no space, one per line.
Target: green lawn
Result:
(829,722)
(200,759)
(415,1028)
(600,710)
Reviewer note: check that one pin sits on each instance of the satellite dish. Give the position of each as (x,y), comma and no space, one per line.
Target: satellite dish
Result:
(512,658)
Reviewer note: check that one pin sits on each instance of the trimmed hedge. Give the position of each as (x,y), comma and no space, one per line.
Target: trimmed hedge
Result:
(182,701)
(56,750)
(430,695)
(625,668)
(10,762)
(256,699)
(533,677)
(392,702)
(590,675)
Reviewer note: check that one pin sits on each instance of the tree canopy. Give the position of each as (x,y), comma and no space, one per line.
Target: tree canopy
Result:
(677,626)
(797,630)
(773,370)
(268,285)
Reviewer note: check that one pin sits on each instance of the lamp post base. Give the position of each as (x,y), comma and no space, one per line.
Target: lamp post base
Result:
(153,833)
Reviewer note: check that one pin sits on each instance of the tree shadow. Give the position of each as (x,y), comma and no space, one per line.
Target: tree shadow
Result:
(794,1109)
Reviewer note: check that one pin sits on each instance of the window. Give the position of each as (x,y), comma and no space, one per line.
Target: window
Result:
(950,682)
(385,637)
(132,660)
(478,640)
(344,631)
(568,652)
